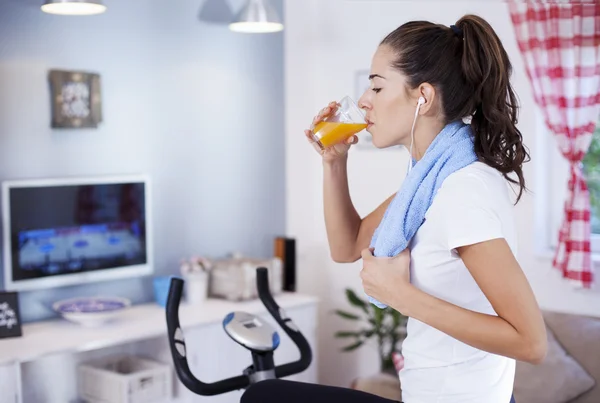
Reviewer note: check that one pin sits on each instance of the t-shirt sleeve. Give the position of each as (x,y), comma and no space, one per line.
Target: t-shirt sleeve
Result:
(470,213)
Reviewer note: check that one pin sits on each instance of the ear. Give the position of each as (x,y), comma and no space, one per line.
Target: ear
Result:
(428,93)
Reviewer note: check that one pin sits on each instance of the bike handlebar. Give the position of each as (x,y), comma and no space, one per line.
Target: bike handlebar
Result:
(262,283)
(179,352)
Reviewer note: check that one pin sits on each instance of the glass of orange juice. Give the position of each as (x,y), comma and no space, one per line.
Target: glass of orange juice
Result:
(347,120)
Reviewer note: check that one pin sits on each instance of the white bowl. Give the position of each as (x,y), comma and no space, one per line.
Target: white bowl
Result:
(91,311)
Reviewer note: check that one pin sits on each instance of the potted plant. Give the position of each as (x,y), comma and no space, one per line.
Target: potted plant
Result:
(386,325)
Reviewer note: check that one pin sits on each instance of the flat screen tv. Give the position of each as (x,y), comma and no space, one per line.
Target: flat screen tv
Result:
(60,232)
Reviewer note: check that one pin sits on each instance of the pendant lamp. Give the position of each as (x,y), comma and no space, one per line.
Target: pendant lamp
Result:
(74,7)
(257,16)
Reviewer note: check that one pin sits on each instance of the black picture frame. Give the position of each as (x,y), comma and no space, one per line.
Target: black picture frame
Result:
(76,99)
(10,317)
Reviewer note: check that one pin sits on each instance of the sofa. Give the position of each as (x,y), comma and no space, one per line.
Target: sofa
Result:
(570,373)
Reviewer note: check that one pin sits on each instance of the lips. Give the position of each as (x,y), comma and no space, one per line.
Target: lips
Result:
(369,122)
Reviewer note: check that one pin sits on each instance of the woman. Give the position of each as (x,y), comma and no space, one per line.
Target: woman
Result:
(471,311)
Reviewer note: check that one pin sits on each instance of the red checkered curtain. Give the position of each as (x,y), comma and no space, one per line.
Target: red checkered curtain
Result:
(560,46)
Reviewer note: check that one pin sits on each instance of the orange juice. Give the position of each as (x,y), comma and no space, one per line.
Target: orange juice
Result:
(331,133)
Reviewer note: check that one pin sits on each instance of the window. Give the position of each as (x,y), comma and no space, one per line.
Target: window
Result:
(552,176)
(591,165)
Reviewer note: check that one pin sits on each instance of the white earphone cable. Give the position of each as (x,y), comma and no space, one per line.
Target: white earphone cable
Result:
(412,136)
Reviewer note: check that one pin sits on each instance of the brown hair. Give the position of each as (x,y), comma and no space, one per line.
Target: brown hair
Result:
(470,69)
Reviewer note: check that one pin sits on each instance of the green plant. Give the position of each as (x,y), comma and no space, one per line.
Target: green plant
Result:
(591,163)
(386,325)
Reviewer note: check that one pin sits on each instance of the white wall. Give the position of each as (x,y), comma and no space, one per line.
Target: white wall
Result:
(196,106)
(326,42)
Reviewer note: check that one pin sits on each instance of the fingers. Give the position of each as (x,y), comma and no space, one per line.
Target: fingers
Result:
(311,140)
(367,253)
(352,140)
(405,254)
(309,136)
(342,148)
(332,106)
(326,111)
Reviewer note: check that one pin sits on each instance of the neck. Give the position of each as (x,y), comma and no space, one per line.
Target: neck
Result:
(425,131)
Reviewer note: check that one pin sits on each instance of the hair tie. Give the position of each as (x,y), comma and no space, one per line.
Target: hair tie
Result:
(457,30)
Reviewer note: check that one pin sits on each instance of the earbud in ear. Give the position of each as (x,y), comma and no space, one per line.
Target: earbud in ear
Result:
(421,101)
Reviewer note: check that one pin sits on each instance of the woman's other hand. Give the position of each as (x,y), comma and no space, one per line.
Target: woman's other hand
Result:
(387,279)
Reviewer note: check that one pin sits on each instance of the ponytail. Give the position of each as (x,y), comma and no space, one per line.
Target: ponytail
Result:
(487,69)
(469,67)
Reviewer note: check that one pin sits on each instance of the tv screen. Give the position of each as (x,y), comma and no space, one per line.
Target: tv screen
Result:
(72,231)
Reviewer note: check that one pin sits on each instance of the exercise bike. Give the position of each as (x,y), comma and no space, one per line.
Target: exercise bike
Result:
(247,330)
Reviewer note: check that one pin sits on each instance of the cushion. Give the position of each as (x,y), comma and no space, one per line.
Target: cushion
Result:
(580,337)
(558,379)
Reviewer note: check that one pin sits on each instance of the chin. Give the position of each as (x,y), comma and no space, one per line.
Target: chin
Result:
(384,141)
(375,140)
(377,143)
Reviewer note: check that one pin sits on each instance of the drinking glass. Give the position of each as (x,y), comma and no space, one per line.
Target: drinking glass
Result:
(347,120)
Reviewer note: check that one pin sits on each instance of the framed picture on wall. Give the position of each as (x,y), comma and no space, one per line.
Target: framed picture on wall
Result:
(76,99)
(10,319)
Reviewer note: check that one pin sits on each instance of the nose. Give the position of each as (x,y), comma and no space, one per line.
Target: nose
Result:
(363,102)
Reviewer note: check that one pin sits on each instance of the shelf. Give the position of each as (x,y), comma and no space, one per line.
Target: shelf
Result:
(139,322)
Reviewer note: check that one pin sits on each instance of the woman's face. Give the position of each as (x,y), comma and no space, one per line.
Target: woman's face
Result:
(389,104)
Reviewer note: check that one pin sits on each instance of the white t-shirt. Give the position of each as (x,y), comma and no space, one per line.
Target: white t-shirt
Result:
(471,206)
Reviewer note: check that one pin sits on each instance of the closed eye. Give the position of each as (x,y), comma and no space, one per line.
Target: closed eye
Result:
(376,90)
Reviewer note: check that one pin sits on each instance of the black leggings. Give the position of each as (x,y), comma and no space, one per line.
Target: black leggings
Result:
(284,391)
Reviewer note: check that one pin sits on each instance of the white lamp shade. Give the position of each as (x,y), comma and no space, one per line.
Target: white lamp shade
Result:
(257,16)
(74,7)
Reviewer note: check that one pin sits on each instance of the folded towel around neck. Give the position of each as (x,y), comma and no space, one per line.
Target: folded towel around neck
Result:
(451,150)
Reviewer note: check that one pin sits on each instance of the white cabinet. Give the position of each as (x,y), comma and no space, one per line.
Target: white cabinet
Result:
(9,381)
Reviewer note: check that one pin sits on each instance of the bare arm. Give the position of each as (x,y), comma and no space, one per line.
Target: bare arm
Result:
(518,331)
(347,233)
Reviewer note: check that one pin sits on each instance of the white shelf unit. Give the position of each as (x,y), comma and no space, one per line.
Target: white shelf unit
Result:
(49,347)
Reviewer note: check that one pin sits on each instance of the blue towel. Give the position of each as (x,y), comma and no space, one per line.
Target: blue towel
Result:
(451,150)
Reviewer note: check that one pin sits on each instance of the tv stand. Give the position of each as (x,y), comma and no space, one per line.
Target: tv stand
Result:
(42,364)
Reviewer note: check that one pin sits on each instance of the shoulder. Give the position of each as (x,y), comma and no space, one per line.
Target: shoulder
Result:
(476,175)
(477,184)
(472,206)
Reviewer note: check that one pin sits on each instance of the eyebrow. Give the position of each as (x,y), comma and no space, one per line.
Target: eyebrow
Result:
(372,76)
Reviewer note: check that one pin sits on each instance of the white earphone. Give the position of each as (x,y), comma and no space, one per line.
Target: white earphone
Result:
(420,102)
